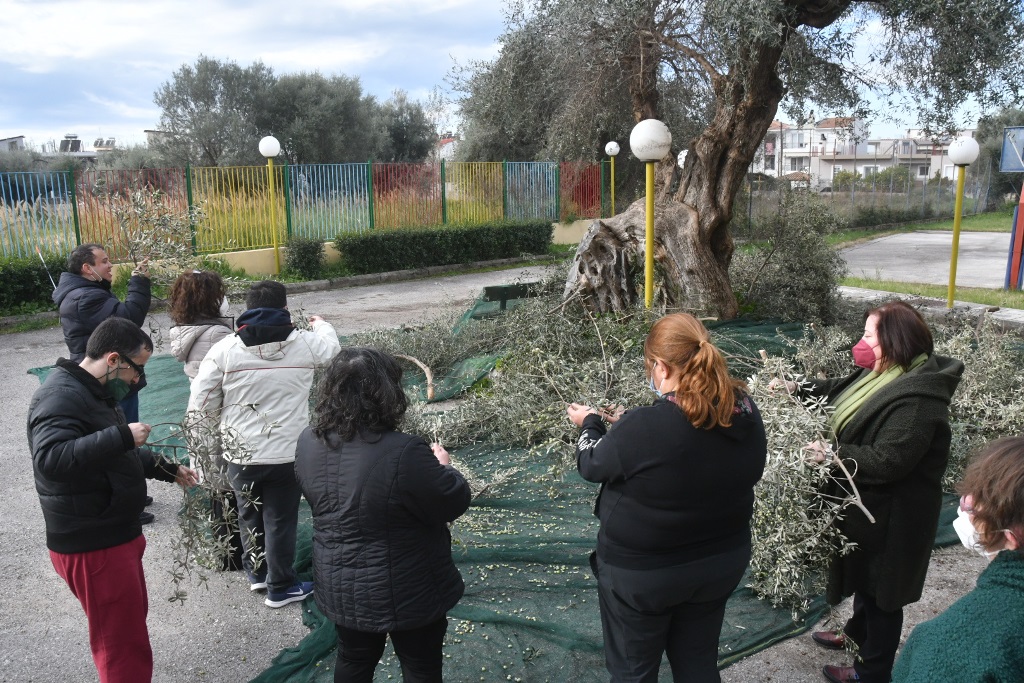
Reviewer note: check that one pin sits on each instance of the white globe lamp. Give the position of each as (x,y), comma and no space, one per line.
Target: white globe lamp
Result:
(270,147)
(650,140)
(964,151)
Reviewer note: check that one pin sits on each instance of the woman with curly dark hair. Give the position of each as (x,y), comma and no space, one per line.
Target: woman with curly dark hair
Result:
(381,503)
(199,308)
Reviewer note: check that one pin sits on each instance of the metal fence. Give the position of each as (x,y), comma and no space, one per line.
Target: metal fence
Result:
(864,202)
(253,206)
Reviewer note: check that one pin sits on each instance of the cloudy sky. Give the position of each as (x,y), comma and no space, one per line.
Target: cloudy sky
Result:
(91,66)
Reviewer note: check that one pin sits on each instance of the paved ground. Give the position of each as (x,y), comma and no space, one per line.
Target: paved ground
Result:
(224,633)
(925,256)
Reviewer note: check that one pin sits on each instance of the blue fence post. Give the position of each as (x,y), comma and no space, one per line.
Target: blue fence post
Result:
(369,188)
(285,174)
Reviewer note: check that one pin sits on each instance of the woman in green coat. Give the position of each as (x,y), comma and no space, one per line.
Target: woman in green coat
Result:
(978,639)
(891,421)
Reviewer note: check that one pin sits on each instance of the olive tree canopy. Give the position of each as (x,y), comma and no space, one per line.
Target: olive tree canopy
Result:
(574,73)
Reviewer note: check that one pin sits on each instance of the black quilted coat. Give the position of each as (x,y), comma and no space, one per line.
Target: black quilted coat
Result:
(382,557)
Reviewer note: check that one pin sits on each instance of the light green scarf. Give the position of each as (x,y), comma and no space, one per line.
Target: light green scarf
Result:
(849,402)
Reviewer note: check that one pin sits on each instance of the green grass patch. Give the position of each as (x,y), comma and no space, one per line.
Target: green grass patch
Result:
(31,324)
(995,221)
(977,295)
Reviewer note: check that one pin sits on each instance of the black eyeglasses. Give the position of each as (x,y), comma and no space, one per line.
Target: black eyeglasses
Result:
(139,370)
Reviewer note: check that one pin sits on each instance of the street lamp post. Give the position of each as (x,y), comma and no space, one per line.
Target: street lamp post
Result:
(270,148)
(611,149)
(963,152)
(650,141)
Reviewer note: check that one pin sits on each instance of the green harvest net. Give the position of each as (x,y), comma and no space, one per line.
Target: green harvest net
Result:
(530,611)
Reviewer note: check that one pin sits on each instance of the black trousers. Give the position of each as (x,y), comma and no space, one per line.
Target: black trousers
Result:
(418,650)
(877,634)
(268,516)
(676,611)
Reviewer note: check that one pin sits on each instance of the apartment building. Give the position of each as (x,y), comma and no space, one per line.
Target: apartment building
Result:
(810,154)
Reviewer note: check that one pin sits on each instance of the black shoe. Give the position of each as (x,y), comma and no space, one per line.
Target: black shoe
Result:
(149,501)
(146,517)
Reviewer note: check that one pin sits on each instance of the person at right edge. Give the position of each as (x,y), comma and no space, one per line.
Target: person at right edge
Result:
(891,418)
(677,495)
(978,639)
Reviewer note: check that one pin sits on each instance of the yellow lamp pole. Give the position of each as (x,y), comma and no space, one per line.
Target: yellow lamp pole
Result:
(273,215)
(650,142)
(649,238)
(611,149)
(962,153)
(270,148)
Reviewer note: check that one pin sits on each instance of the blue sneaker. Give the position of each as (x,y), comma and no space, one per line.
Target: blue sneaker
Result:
(294,594)
(257,583)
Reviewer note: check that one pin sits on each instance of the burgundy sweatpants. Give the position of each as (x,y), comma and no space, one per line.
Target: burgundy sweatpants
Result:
(112,589)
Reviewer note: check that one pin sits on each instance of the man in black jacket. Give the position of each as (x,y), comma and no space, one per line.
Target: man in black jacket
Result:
(85,300)
(90,471)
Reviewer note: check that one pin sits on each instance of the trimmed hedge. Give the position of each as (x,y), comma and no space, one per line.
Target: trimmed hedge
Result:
(24,285)
(305,257)
(871,216)
(379,251)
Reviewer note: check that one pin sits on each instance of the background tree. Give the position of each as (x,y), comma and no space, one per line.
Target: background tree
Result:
(319,119)
(209,112)
(132,157)
(730,63)
(990,137)
(406,132)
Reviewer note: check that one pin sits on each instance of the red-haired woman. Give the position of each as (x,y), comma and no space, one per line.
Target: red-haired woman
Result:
(891,419)
(677,494)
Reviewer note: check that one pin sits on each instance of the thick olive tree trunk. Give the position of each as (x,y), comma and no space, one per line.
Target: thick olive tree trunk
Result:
(693,247)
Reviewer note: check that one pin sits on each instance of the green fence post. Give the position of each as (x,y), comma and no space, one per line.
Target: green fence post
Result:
(444,199)
(74,207)
(558,191)
(369,189)
(188,199)
(504,190)
(286,175)
(601,166)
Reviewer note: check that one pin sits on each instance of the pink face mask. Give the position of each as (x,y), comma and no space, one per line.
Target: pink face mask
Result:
(863,355)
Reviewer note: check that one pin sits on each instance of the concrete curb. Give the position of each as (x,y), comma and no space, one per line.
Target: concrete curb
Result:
(334,283)
(935,309)
(402,275)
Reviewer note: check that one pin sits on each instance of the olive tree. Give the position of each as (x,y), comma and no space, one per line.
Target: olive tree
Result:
(730,63)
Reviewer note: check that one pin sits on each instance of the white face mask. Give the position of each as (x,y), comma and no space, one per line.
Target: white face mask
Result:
(225,308)
(969,535)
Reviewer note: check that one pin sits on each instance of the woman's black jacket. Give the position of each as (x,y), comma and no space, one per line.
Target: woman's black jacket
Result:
(382,558)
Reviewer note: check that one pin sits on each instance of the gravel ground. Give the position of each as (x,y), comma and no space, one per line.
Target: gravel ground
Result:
(224,633)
